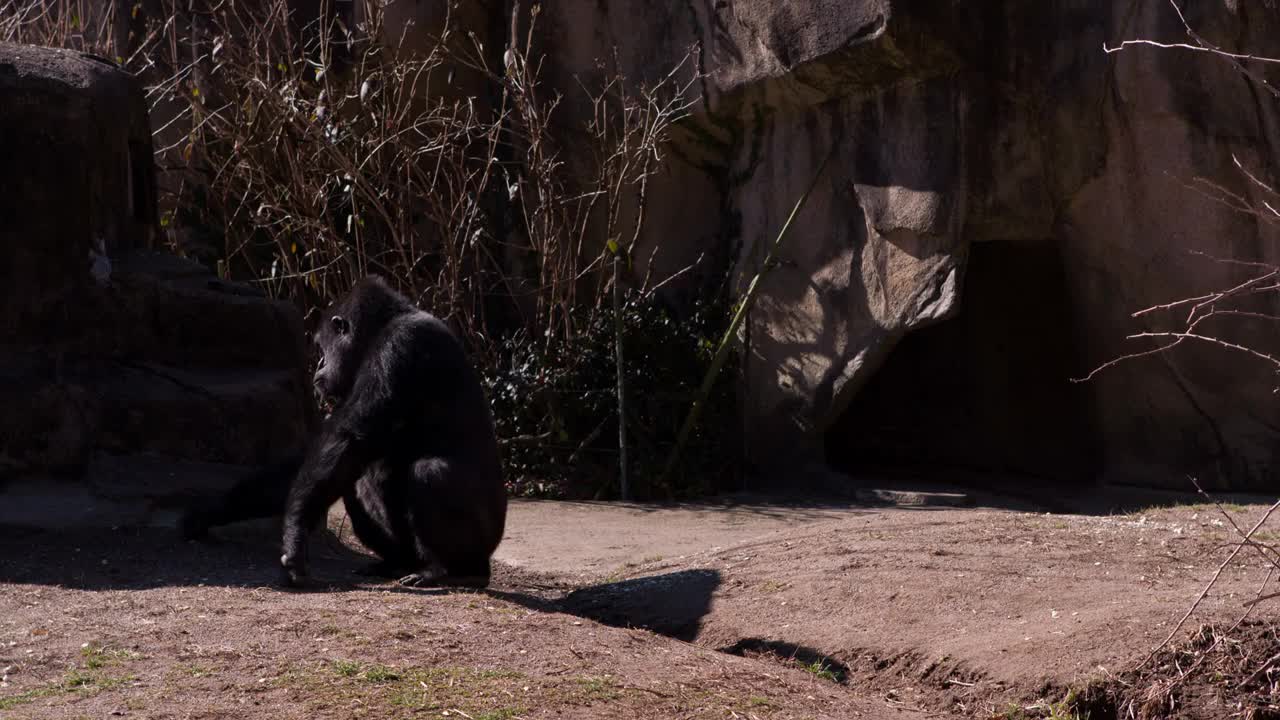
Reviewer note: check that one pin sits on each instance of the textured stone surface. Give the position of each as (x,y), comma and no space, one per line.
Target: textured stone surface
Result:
(116,360)
(75,146)
(1000,126)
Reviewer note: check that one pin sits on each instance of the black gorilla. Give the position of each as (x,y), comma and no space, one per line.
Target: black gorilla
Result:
(410,448)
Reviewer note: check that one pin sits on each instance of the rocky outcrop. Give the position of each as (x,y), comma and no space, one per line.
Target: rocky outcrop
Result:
(1004,194)
(131,376)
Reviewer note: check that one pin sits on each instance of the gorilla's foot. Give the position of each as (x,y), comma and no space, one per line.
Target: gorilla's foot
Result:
(426,578)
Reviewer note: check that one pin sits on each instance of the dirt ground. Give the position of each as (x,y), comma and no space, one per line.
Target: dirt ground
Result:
(733,609)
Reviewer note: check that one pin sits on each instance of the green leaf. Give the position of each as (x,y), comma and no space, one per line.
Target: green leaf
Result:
(613,247)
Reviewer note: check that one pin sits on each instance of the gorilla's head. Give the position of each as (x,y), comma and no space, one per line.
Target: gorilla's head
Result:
(352,328)
(336,367)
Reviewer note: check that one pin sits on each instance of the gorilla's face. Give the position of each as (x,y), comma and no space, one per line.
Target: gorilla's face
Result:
(335,369)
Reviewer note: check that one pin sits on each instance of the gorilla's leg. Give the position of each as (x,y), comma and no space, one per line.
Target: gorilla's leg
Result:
(259,495)
(375,526)
(447,527)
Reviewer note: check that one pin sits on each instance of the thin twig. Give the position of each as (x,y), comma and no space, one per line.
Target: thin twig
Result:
(1205,592)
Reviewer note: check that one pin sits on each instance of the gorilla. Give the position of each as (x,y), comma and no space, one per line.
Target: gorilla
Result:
(409,447)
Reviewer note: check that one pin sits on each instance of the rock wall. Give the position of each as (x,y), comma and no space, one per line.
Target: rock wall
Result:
(993,156)
(1003,196)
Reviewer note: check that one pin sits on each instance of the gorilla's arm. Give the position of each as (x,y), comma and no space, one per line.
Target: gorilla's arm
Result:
(366,427)
(333,465)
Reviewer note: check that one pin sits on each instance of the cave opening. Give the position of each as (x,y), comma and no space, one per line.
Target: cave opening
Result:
(985,397)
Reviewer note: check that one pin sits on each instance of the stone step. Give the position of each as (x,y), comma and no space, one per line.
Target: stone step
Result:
(912,498)
(59,411)
(138,490)
(235,416)
(175,311)
(162,480)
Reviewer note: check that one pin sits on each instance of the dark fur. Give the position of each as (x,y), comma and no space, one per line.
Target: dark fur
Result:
(410,448)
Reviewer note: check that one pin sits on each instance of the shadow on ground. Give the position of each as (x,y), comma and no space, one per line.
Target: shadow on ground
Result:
(671,604)
(811,659)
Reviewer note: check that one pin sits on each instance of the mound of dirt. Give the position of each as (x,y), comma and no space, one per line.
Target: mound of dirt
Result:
(955,610)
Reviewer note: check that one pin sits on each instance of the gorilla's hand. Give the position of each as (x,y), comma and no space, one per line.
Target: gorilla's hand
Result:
(295,569)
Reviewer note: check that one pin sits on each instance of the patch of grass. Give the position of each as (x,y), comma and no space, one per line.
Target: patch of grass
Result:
(759,702)
(1061,710)
(22,698)
(346,668)
(598,688)
(373,673)
(380,674)
(197,671)
(618,574)
(97,657)
(1199,507)
(479,693)
(1012,711)
(821,669)
(1267,537)
(76,680)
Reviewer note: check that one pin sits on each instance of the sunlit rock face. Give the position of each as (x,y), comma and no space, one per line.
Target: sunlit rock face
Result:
(1000,186)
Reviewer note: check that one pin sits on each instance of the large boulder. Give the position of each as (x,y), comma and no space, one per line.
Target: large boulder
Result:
(130,378)
(75,148)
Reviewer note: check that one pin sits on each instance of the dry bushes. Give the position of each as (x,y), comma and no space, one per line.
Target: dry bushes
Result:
(304,155)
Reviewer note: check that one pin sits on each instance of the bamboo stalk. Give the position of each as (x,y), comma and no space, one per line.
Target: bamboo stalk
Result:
(722,351)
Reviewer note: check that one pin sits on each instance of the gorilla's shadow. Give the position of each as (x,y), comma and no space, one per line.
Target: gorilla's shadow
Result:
(248,556)
(671,604)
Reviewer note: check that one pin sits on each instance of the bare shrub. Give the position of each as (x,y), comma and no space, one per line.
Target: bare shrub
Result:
(1221,318)
(304,156)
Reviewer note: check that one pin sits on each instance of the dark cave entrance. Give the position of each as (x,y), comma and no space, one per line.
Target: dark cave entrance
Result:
(986,396)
